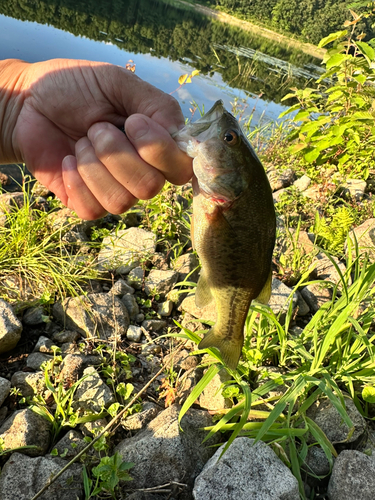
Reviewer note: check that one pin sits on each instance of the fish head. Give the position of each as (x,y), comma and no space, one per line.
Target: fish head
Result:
(223,157)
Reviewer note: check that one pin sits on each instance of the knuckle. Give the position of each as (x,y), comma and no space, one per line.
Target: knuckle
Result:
(118,201)
(149,185)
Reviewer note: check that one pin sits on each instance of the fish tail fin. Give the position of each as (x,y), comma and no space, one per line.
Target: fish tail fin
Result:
(230,350)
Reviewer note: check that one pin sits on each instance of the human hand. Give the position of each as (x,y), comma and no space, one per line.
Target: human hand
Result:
(62,118)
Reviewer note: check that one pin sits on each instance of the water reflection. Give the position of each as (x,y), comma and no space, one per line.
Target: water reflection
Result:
(165,41)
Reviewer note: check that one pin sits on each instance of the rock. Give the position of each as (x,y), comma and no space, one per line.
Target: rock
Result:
(44,344)
(139,420)
(212,398)
(160,282)
(36,359)
(65,219)
(325,415)
(365,236)
(325,269)
(165,308)
(160,261)
(23,477)
(39,190)
(65,336)
(207,313)
(122,250)
(316,295)
(280,297)
(93,428)
(95,315)
(3,414)
(69,348)
(317,462)
(354,188)
(29,383)
(5,386)
(314,192)
(279,180)
(302,183)
(71,369)
(190,323)
(26,428)
(134,333)
(131,305)
(278,194)
(136,277)
(302,307)
(148,349)
(139,318)
(186,264)
(179,455)
(182,360)
(353,477)
(246,471)
(92,393)
(154,325)
(121,288)
(35,316)
(10,327)
(71,444)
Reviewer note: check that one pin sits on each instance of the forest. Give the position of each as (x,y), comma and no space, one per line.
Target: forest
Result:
(310,20)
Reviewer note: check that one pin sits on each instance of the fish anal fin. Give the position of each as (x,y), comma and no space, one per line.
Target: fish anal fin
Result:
(203,295)
(265,294)
(230,350)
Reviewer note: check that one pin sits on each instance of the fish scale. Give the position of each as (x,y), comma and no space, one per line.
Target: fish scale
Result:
(233,225)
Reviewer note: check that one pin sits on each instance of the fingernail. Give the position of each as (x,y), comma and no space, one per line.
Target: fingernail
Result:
(94,131)
(136,127)
(69,163)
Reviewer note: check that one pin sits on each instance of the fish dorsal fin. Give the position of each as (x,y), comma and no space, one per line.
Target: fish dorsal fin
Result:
(203,295)
(265,294)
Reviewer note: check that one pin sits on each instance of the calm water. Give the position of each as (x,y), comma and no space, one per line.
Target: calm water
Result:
(164,41)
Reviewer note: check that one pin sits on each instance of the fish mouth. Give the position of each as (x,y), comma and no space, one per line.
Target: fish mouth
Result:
(216,198)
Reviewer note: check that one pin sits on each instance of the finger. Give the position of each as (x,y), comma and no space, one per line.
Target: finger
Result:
(113,197)
(118,155)
(78,197)
(156,147)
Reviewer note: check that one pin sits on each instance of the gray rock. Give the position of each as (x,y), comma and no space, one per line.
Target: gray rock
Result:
(93,428)
(65,336)
(95,315)
(5,386)
(131,305)
(10,327)
(186,264)
(212,398)
(36,359)
(280,297)
(44,344)
(134,333)
(23,477)
(39,190)
(279,180)
(180,455)
(302,183)
(354,188)
(302,307)
(207,313)
(326,270)
(317,462)
(313,192)
(3,414)
(92,393)
(139,318)
(165,308)
(316,295)
(160,261)
(26,428)
(139,420)
(276,195)
(122,250)
(160,282)
(325,415)
(246,471)
(182,360)
(69,348)
(154,325)
(35,316)
(121,288)
(353,477)
(365,236)
(71,444)
(29,383)
(148,349)
(136,278)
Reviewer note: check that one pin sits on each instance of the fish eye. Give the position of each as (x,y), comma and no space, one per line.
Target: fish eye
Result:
(230,137)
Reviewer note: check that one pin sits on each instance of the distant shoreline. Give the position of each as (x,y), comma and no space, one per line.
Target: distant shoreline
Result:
(307,48)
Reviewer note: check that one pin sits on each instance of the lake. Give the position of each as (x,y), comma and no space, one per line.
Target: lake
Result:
(164,39)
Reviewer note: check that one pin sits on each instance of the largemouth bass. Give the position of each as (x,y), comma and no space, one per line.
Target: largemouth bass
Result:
(233,225)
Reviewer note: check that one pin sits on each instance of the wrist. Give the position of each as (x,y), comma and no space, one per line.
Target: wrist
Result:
(12,87)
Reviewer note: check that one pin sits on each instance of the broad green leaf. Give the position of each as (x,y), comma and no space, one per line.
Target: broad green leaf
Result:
(336,60)
(312,155)
(332,37)
(368,394)
(290,110)
(366,50)
(301,115)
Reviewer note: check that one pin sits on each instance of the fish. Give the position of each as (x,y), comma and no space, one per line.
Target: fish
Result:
(233,225)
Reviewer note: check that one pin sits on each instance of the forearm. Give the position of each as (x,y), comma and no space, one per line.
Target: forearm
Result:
(12,95)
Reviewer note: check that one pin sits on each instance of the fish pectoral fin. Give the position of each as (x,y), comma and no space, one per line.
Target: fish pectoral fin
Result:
(230,350)
(203,294)
(265,294)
